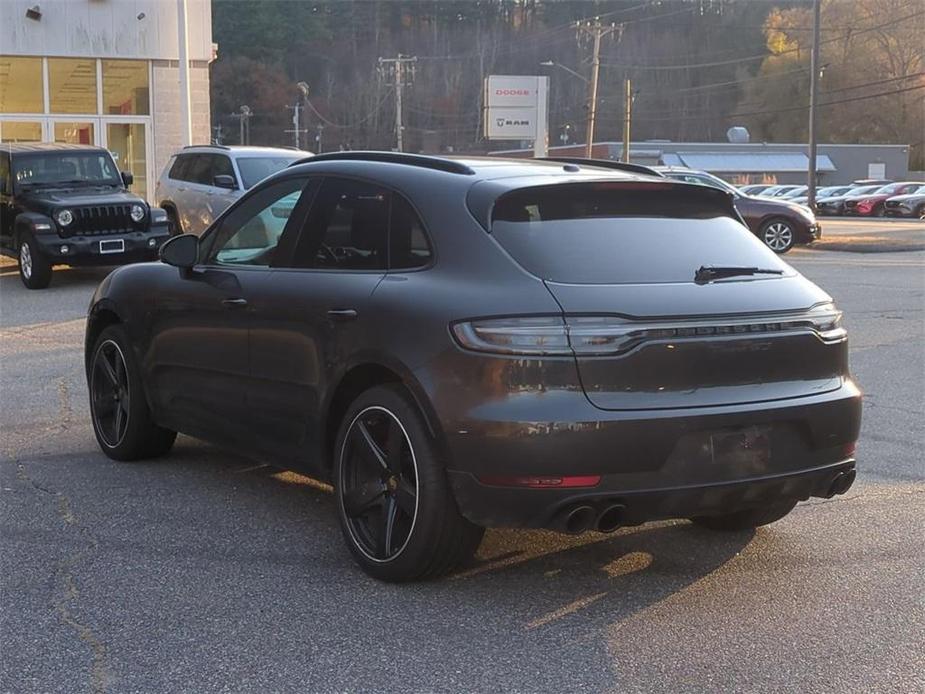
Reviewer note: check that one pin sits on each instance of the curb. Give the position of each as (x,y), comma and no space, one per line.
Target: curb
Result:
(866,247)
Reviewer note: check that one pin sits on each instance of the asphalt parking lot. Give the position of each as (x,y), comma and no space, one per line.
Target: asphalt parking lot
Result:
(206,572)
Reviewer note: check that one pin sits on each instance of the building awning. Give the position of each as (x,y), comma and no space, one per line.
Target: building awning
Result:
(746,162)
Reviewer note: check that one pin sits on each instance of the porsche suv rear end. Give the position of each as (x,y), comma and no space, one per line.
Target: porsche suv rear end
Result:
(686,372)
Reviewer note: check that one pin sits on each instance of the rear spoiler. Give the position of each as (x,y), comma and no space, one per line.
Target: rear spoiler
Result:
(606,164)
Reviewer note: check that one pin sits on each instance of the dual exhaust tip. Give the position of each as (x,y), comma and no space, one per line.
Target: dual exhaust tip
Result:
(580,518)
(607,519)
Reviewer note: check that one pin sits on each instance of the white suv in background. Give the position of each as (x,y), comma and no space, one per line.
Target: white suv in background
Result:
(200,182)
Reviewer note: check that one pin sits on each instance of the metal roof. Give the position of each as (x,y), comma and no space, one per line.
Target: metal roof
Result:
(747,162)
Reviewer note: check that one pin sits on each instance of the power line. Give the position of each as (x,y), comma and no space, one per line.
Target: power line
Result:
(707,112)
(347,126)
(788,109)
(762,56)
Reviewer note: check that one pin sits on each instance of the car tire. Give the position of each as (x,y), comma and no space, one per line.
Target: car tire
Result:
(920,212)
(119,411)
(879,211)
(746,520)
(34,266)
(174,227)
(396,510)
(778,235)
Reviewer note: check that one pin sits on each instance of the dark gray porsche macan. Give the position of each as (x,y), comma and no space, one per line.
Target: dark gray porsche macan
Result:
(466,343)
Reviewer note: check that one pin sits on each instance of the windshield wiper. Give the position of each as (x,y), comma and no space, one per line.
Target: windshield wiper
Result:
(708,273)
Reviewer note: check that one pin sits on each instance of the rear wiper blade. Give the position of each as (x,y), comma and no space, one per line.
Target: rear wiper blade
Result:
(708,273)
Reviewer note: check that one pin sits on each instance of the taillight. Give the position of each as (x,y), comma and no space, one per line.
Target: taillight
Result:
(610,335)
(539,335)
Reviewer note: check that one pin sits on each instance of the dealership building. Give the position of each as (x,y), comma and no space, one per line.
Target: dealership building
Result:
(106,72)
(755,162)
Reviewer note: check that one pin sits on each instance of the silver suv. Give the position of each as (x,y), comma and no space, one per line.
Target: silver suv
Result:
(200,182)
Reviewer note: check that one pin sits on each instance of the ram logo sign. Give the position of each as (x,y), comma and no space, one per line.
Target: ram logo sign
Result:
(515,108)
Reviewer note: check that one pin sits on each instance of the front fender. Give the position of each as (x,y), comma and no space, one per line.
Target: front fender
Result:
(37,224)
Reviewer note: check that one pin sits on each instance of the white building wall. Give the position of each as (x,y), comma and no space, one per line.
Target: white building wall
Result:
(126,29)
(165,90)
(104,29)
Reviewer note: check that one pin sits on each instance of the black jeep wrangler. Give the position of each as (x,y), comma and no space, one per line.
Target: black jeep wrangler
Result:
(69,205)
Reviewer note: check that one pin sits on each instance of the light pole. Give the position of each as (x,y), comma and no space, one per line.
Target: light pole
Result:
(813,93)
(552,63)
(303,90)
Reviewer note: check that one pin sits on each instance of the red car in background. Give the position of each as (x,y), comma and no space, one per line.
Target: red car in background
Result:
(871,204)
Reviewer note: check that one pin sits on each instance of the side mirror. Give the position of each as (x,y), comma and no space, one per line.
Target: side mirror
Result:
(225,181)
(181,251)
(127,178)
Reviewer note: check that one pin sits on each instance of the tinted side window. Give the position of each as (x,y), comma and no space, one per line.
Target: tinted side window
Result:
(408,244)
(347,228)
(200,169)
(251,232)
(180,165)
(221,166)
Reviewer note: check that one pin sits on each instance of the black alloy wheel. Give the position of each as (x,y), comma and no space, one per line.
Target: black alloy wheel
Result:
(396,509)
(379,482)
(110,393)
(122,421)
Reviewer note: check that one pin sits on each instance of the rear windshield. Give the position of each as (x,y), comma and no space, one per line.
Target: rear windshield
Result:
(255,169)
(586,234)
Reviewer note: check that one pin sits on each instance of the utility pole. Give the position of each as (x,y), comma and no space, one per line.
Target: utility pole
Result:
(596,31)
(401,70)
(813,94)
(244,126)
(297,129)
(627,116)
(296,124)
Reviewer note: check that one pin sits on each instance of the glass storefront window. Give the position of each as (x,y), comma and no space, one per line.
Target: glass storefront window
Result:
(20,131)
(74,133)
(21,85)
(126,142)
(72,85)
(125,88)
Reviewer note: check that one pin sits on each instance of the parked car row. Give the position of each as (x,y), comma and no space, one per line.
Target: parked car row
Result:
(861,199)
(462,343)
(63,204)
(779,222)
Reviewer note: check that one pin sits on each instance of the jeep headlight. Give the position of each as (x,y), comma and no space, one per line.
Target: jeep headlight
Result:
(137,213)
(64,217)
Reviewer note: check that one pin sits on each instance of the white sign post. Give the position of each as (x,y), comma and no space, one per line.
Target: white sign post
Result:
(516,109)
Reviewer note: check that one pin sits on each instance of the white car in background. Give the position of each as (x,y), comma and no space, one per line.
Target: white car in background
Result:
(201,182)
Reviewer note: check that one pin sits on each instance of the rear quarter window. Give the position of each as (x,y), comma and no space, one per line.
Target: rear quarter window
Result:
(619,234)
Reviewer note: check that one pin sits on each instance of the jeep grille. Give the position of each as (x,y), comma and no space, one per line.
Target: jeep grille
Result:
(102,219)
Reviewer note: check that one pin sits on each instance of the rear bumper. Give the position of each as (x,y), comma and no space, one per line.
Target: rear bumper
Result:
(666,461)
(547,508)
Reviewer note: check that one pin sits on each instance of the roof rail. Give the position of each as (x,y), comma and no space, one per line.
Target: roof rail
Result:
(420,160)
(207,145)
(606,164)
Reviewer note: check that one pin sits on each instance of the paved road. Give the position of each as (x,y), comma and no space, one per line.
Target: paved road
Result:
(205,573)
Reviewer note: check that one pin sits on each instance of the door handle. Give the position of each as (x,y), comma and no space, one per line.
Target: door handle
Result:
(234,302)
(342,314)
